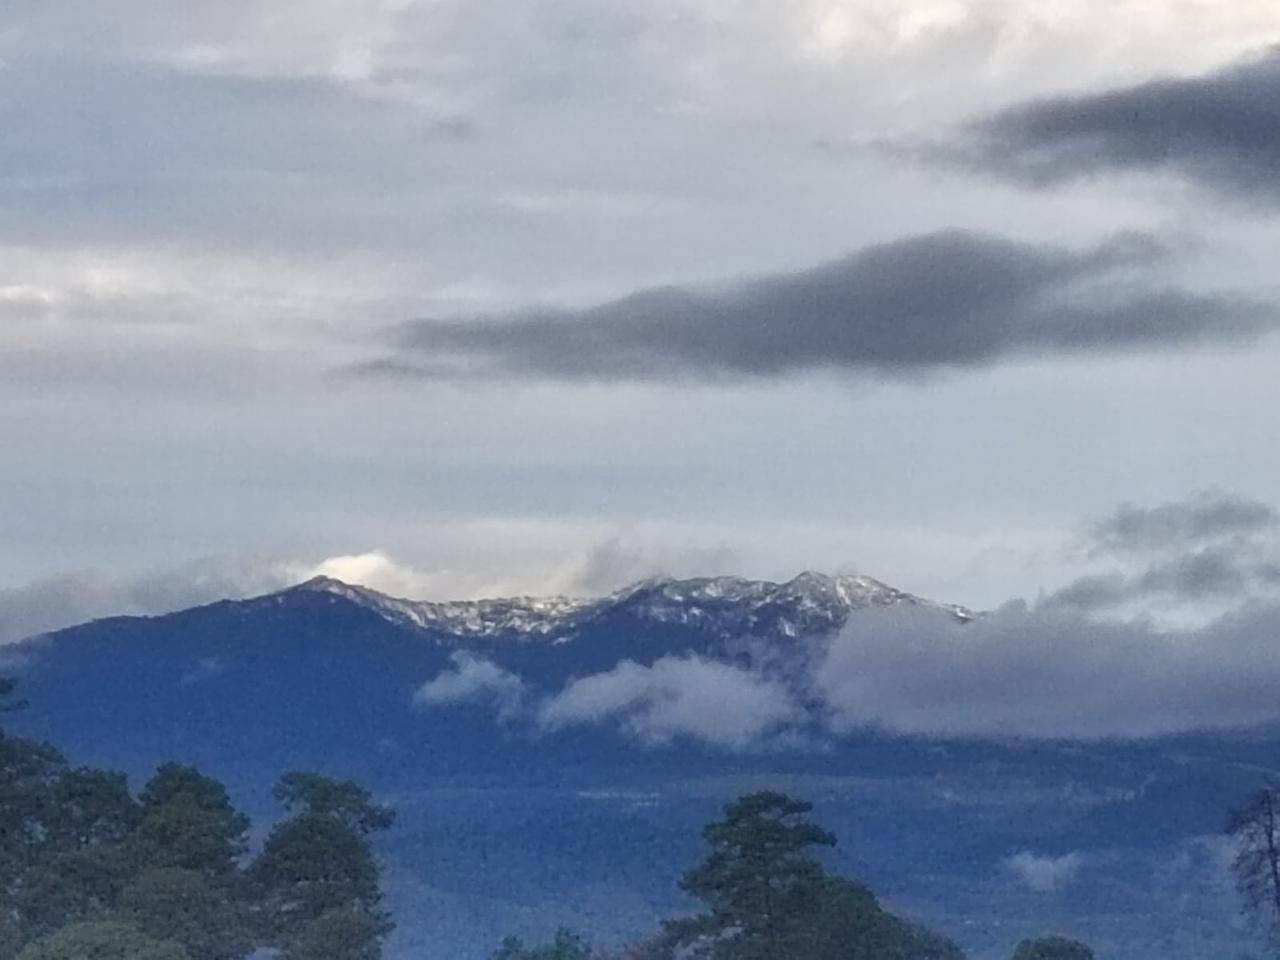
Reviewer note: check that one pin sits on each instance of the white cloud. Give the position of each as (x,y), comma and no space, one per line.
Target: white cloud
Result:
(378,571)
(1045,874)
(474,678)
(538,558)
(677,697)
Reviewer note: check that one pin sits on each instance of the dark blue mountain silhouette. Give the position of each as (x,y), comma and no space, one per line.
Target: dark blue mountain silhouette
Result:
(506,828)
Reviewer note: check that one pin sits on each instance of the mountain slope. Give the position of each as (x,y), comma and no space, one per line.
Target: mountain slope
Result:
(509,828)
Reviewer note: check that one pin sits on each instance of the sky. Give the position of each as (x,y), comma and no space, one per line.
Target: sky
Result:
(475,298)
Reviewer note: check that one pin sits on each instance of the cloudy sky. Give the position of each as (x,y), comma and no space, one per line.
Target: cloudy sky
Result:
(464,298)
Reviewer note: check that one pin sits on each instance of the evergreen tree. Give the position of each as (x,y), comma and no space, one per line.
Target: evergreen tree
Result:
(105,940)
(28,773)
(342,800)
(566,945)
(343,934)
(68,861)
(189,908)
(317,870)
(769,898)
(1052,948)
(760,881)
(188,821)
(848,923)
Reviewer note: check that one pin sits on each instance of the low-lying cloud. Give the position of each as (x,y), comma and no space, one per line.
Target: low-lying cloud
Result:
(1048,672)
(947,300)
(474,679)
(676,698)
(1044,874)
(78,596)
(1221,129)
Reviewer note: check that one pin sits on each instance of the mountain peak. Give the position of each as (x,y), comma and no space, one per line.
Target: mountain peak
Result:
(809,603)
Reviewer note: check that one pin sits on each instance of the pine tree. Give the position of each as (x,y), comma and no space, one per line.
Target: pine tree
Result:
(760,882)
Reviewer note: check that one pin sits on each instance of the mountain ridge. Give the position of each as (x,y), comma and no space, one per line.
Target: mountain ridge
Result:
(806,604)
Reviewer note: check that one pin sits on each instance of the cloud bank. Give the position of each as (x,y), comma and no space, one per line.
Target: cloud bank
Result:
(947,300)
(676,698)
(1046,672)
(1221,129)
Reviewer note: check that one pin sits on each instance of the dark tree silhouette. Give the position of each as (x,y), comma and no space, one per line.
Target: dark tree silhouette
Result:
(1256,829)
(760,881)
(1052,948)
(316,881)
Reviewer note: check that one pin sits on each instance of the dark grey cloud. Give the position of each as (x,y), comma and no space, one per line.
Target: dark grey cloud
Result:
(1204,517)
(1221,129)
(1210,546)
(944,300)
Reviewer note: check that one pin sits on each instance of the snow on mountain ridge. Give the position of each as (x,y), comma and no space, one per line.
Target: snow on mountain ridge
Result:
(811,603)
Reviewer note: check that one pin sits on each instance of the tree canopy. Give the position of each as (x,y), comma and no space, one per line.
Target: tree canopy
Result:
(104,940)
(768,896)
(565,945)
(317,870)
(88,871)
(1052,948)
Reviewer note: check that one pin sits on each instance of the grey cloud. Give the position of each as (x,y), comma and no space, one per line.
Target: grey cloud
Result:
(1047,672)
(1093,592)
(134,152)
(938,301)
(1204,517)
(1205,573)
(71,598)
(1211,546)
(1221,129)
(1222,573)
(676,698)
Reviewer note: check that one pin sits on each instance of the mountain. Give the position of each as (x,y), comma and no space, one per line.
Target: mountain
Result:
(812,603)
(509,826)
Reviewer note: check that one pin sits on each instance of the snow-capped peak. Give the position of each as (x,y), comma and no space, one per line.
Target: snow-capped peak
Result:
(809,604)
